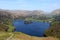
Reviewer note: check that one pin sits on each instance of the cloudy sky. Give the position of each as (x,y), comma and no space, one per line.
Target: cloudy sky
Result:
(46,5)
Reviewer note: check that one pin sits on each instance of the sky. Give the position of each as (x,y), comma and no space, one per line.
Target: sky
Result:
(45,5)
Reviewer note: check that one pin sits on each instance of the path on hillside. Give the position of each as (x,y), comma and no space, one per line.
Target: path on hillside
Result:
(9,38)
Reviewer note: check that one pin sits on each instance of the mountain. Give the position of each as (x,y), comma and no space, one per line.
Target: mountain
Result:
(24,13)
(55,12)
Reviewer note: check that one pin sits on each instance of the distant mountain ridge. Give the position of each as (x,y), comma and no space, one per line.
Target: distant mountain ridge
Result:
(17,13)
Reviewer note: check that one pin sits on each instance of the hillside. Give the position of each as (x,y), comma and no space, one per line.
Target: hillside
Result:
(55,12)
(25,13)
(21,36)
(3,27)
(5,21)
(16,13)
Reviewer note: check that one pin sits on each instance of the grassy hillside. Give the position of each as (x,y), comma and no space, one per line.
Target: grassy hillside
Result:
(54,30)
(21,36)
(5,21)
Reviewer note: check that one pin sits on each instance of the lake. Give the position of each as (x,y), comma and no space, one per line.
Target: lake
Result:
(33,29)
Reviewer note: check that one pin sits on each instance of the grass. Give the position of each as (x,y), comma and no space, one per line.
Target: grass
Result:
(9,25)
(22,36)
(4,35)
(10,28)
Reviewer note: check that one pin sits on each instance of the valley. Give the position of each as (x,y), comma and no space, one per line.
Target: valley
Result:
(8,16)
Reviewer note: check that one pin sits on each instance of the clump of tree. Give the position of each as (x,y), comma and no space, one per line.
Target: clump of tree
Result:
(27,21)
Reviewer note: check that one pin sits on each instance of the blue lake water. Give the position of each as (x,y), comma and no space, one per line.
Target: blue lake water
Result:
(33,29)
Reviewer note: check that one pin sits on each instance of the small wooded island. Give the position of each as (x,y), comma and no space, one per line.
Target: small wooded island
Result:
(27,21)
